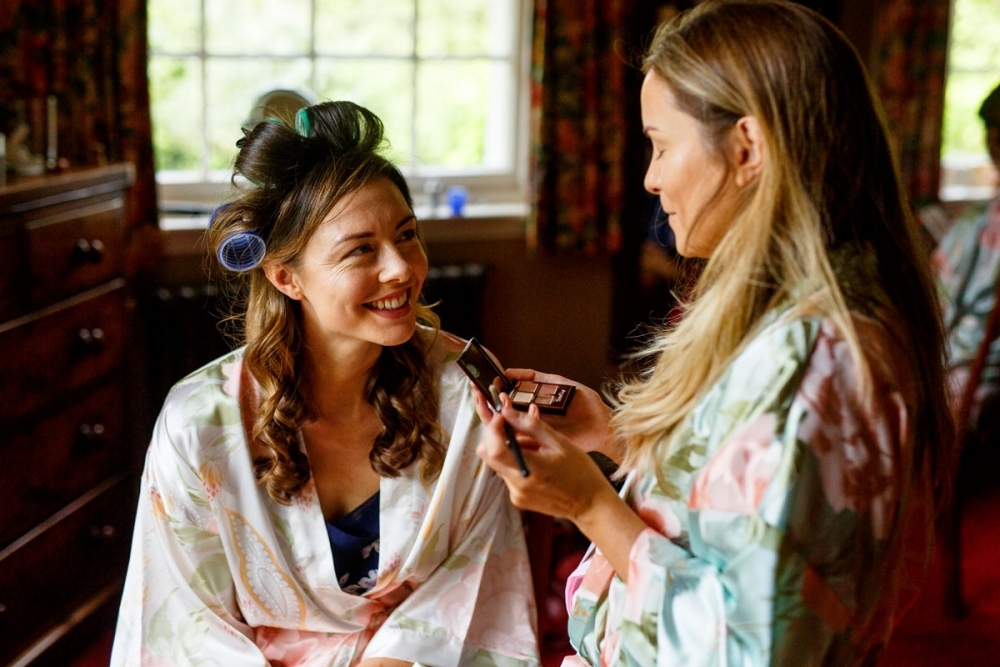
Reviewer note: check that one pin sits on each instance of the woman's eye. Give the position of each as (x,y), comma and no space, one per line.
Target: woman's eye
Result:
(360,250)
(407,235)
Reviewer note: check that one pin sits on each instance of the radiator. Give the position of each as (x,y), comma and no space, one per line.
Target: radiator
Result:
(458,292)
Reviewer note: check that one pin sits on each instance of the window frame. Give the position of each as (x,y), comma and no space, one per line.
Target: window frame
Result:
(196,192)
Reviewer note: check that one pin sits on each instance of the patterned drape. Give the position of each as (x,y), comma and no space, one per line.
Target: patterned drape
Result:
(910,55)
(92,57)
(585,123)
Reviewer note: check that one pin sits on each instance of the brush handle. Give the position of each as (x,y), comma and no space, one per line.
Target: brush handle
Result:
(511,436)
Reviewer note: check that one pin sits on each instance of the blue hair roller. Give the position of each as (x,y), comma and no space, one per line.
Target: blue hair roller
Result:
(241,250)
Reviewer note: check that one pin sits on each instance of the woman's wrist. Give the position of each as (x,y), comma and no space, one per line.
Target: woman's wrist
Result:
(612,525)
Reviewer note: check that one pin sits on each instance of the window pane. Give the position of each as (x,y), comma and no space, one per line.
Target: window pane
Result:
(363,27)
(468,28)
(174,91)
(383,86)
(973,71)
(257,27)
(464,114)
(963,128)
(971,48)
(233,85)
(173,25)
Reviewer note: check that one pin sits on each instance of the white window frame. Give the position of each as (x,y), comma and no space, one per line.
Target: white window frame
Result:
(489,189)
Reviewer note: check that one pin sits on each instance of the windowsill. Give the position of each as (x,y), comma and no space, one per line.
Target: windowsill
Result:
(480,222)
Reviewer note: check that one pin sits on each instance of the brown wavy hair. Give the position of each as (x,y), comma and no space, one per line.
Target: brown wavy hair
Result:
(294,177)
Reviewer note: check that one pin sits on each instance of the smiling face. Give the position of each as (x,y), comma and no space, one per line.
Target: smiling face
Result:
(359,275)
(694,185)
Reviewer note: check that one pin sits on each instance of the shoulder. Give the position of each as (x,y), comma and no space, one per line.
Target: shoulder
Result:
(443,348)
(782,344)
(203,405)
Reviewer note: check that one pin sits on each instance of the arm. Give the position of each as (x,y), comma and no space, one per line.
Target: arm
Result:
(796,549)
(564,482)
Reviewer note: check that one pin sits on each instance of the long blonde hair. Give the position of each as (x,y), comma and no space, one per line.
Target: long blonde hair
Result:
(829,186)
(296,176)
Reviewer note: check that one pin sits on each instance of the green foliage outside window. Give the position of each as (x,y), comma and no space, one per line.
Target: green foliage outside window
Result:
(973,71)
(435,71)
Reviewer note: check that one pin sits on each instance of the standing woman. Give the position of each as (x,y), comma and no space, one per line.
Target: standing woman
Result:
(313,498)
(786,451)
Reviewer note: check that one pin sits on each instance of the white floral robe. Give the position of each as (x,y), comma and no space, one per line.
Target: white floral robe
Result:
(794,525)
(221,575)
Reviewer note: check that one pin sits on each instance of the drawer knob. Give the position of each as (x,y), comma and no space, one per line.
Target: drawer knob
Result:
(105,532)
(91,340)
(91,251)
(90,434)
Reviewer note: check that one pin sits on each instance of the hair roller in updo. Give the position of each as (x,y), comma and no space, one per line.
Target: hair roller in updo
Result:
(241,249)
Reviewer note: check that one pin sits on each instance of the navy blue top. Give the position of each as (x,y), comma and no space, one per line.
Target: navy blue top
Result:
(354,541)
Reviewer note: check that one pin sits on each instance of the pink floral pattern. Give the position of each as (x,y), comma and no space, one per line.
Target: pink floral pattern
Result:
(779,536)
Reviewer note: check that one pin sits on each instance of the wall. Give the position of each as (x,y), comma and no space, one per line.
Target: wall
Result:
(550,313)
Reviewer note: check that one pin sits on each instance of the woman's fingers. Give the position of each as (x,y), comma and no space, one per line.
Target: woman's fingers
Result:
(562,477)
(482,409)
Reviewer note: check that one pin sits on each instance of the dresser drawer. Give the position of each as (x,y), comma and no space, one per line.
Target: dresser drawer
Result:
(59,457)
(11,301)
(75,249)
(44,576)
(61,348)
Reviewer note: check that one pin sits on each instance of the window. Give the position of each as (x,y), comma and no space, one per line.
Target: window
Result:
(445,77)
(973,71)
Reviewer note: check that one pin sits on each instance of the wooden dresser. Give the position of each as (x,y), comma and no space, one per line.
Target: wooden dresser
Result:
(67,462)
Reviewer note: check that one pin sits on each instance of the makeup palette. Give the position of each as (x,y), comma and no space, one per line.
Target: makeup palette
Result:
(484,371)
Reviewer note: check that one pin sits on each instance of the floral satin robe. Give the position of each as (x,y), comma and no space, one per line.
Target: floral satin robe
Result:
(221,575)
(793,524)
(967,265)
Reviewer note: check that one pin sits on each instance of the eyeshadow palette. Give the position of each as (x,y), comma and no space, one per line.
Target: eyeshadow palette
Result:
(484,371)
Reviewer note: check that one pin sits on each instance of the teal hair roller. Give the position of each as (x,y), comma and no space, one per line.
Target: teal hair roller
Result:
(302,124)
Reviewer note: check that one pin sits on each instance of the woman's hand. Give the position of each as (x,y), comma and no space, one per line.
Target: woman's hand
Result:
(564,481)
(586,420)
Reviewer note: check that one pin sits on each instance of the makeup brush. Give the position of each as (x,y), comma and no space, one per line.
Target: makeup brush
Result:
(511,437)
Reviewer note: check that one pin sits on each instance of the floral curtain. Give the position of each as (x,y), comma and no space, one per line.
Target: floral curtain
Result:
(92,57)
(909,66)
(585,123)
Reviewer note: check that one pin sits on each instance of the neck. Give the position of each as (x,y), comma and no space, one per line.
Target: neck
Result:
(337,378)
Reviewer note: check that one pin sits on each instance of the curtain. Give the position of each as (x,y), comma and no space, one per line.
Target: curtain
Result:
(586,130)
(92,57)
(909,66)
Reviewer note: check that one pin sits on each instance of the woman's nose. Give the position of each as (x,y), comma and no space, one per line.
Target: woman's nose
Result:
(395,266)
(652,180)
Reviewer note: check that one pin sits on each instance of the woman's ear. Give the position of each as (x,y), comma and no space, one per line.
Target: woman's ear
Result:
(747,150)
(284,280)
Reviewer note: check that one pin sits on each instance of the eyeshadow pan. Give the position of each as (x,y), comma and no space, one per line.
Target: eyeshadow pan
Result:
(522,396)
(527,386)
(548,390)
(544,400)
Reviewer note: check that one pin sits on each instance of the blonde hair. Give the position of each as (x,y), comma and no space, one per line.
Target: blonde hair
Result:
(297,177)
(829,186)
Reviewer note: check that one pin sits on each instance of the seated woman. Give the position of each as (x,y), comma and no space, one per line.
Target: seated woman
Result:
(313,498)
